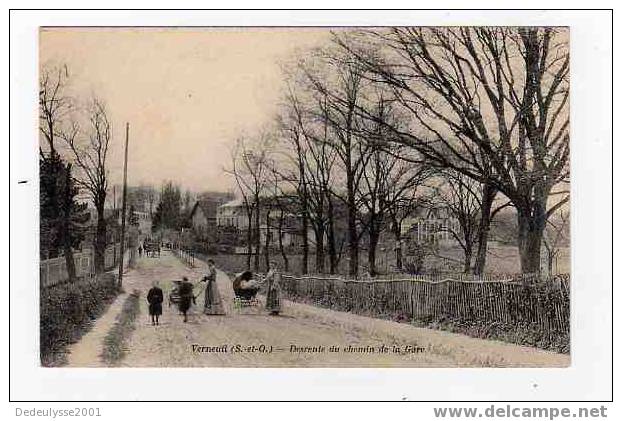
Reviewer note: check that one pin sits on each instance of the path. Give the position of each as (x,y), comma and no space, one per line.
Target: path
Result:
(85,352)
(171,343)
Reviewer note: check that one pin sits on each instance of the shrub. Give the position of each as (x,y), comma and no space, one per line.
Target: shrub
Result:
(66,311)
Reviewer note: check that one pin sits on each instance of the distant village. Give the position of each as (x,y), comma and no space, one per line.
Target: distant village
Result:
(218,223)
(211,211)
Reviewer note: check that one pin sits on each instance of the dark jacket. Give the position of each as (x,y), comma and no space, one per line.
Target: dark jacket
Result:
(155,296)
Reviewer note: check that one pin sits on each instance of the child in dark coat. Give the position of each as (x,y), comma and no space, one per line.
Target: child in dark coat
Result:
(155,298)
(186,297)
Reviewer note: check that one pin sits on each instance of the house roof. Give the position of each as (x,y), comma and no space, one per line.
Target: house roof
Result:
(233,204)
(207,206)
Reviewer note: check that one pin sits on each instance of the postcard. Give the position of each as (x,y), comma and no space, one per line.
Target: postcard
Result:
(304,197)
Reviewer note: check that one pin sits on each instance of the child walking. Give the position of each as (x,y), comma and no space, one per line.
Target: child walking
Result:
(155,298)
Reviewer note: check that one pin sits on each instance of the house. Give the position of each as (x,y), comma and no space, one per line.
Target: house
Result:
(232,214)
(290,231)
(221,197)
(204,215)
(144,222)
(430,225)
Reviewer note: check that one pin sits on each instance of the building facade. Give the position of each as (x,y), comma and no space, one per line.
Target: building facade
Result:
(433,225)
(204,215)
(232,214)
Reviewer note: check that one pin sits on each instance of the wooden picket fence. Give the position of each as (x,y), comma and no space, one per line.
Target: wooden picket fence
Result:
(517,299)
(54,271)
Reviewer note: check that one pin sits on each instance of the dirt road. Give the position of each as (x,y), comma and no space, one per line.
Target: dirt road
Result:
(301,337)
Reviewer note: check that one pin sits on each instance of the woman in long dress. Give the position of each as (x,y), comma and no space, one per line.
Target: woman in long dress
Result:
(213,302)
(273,295)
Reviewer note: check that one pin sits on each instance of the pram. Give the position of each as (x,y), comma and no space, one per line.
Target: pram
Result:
(244,297)
(174,297)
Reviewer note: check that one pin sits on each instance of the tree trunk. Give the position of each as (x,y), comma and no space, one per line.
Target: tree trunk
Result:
(330,234)
(468,255)
(257,233)
(100,239)
(488,196)
(66,226)
(530,230)
(550,257)
(305,240)
(281,248)
(397,232)
(353,241)
(267,242)
(374,236)
(302,192)
(319,247)
(249,237)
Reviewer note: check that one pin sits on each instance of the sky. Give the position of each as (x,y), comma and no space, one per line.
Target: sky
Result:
(187,93)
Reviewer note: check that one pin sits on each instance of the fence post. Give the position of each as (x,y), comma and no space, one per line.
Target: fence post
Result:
(47,273)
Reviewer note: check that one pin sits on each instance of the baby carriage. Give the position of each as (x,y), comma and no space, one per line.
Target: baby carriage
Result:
(174,297)
(245,296)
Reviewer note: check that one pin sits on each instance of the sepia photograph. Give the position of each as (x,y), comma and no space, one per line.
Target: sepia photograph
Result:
(304,197)
(236,209)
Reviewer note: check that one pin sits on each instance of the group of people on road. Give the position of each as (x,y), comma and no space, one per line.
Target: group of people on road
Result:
(149,249)
(243,283)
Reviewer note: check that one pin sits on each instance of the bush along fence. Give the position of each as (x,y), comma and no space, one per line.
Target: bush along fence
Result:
(66,311)
(527,309)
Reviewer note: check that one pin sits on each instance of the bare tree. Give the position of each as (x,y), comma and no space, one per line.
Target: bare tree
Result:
(188,200)
(387,179)
(152,197)
(404,207)
(405,193)
(55,105)
(490,103)
(306,125)
(462,198)
(251,168)
(89,150)
(319,161)
(238,173)
(555,235)
(339,84)
(292,126)
(458,195)
(284,204)
(61,216)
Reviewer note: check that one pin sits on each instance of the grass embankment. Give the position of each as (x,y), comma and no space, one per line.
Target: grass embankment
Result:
(527,334)
(67,312)
(115,341)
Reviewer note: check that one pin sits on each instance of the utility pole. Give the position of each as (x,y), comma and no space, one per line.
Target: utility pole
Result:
(122,250)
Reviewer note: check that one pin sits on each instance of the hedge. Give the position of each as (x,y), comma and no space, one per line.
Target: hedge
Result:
(535,314)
